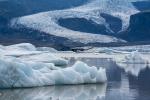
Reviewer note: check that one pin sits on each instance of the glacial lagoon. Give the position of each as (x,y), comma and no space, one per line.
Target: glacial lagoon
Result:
(121,85)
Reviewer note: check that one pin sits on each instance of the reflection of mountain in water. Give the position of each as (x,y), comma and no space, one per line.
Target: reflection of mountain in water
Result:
(78,92)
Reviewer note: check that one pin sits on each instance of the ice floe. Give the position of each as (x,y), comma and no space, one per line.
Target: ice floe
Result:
(106,50)
(133,59)
(139,48)
(121,49)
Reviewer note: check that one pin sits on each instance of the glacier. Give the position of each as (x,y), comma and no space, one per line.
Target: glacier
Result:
(48,21)
(33,68)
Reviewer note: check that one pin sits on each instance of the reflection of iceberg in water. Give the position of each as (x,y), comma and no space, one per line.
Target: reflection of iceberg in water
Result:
(133,63)
(78,92)
(133,69)
(123,91)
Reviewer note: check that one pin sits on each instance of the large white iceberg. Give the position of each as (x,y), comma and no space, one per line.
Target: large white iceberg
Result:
(17,73)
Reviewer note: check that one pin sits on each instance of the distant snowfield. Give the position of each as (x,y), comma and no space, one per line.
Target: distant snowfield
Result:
(47,21)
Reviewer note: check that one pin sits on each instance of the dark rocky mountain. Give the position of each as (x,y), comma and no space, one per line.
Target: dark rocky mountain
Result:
(139,29)
(142,5)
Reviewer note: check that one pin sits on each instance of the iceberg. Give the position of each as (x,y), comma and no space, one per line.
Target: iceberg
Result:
(15,72)
(133,69)
(29,52)
(22,46)
(133,63)
(19,49)
(132,58)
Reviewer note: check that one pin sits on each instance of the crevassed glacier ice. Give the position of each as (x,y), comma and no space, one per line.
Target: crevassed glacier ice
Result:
(17,73)
(48,21)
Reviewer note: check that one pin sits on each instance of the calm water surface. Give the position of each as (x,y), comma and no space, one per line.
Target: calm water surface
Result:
(129,82)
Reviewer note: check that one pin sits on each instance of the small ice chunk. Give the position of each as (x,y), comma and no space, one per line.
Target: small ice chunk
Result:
(22,46)
(134,57)
(132,63)
(133,69)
